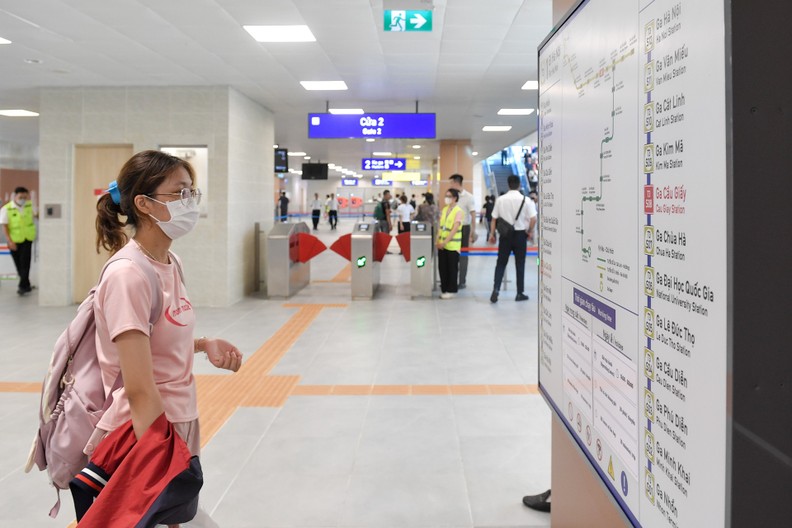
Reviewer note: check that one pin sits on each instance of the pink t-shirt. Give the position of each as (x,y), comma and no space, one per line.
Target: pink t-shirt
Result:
(123,302)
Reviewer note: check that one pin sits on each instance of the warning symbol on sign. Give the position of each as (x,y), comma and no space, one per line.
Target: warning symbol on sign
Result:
(610,469)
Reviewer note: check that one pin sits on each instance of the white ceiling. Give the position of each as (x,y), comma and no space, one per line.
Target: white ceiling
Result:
(474,62)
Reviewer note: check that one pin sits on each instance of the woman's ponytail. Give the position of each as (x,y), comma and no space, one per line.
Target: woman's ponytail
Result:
(110,232)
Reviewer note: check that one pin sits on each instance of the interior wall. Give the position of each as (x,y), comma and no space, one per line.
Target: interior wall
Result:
(145,118)
(16,156)
(251,162)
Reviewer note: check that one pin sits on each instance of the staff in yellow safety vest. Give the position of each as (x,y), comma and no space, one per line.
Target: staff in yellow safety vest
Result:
(16,217)
(449,244)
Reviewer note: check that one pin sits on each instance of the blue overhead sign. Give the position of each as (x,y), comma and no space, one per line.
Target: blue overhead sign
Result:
(349,182)
(382,183)
(384,164)
(393,126)
(419,183)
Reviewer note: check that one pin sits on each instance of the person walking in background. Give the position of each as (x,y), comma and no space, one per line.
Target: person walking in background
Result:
(427,211)
(332,206)
(405,213)
(17,218)
(382,212)
(449,244)
(486,212)
(283,203)
(469,236)
(316,211)
(412,202)
(518,211)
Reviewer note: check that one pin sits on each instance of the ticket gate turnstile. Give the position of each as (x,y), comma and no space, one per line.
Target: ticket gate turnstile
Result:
(365,271)
(422,260)
(285,277)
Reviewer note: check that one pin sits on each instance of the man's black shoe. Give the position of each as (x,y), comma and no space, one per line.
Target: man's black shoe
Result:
(521,297)
(461,286)
(494,297)
(539,502)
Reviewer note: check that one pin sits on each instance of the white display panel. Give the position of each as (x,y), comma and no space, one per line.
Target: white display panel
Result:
(632,144)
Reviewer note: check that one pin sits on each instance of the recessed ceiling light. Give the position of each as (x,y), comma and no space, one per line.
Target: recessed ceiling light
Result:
(416,157)
(275,145)
(474,153)
(297,154)
(34,61)
(496,128)
(346,111)
(531,85)
(4,41)
(370,140)
(515,111)
(307,157)
(280,33)
(324,85)
(416,146)
(382,153)
(18,113)
(331,166)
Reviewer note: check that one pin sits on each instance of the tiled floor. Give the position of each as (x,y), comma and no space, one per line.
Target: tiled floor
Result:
(404,414)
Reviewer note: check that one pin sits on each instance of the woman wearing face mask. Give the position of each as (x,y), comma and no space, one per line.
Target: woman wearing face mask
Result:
(155,193)
(449,244)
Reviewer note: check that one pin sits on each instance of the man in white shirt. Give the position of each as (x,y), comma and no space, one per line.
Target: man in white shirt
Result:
(316,211)
(519,211)
(469,236)
(332,207)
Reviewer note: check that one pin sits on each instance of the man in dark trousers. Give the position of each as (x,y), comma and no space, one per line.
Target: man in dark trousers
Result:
(469,235)
(17,219)
(519,211)
(283,202)
(382,212)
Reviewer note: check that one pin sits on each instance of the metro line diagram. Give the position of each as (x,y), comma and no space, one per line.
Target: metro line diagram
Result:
(586,251)
(593,78)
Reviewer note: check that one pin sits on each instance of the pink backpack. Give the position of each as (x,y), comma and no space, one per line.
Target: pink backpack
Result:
(72,395)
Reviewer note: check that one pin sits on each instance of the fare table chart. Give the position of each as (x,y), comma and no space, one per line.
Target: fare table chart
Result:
(632,145)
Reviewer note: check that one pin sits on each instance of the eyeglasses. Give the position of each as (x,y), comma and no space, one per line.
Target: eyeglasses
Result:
(186,195)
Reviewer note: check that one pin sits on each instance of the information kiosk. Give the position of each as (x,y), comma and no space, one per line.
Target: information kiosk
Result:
(639,111)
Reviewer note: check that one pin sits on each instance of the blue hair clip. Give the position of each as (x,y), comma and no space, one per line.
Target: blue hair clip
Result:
(115,194)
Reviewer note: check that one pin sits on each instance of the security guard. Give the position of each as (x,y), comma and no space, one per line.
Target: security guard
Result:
(16,217)
(449,244)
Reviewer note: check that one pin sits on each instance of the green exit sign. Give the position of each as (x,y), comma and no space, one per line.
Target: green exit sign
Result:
(420,262)
(361,261)
(409,20)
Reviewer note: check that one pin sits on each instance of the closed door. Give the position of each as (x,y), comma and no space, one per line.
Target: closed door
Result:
(95,166)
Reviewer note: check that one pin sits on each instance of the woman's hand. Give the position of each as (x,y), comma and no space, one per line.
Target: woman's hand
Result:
(223,354)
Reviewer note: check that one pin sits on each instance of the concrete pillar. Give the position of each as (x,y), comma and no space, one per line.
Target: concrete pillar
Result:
(455,158)
(560,7)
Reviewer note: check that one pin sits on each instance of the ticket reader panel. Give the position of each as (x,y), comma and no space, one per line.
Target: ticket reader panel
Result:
(285,275)
(365,271)
(422,256)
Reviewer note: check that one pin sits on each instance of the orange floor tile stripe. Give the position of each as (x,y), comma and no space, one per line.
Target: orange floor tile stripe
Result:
(220,395)
(14,386)
(413,390)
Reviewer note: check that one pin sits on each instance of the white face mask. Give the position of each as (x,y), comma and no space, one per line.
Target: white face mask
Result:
(182,218)
(21,202)
(448,201)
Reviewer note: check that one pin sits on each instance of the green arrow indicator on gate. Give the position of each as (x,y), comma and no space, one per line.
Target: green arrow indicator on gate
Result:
(408,20)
